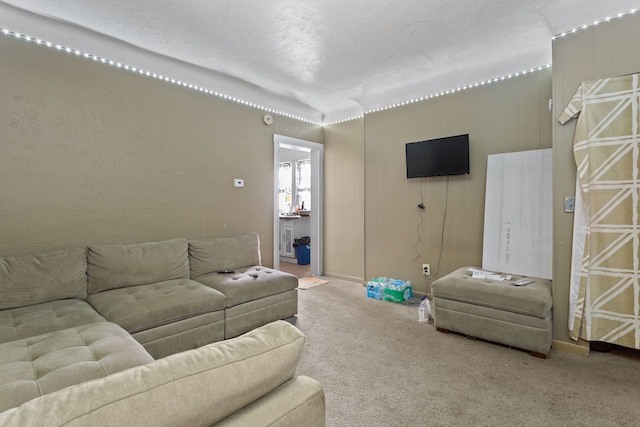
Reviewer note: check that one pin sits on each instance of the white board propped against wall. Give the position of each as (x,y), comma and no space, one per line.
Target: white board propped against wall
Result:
(518,214)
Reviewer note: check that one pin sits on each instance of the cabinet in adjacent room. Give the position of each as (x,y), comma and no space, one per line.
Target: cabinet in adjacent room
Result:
(287,228)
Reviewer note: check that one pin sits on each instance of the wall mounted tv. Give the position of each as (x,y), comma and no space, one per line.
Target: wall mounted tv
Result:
(438,157)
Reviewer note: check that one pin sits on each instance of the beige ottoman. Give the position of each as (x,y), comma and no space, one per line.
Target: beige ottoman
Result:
(497,311)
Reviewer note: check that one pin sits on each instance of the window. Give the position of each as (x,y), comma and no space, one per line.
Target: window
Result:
(285,181)
(303,184)
(294,185)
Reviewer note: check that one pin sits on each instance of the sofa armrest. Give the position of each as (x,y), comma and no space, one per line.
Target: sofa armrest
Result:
(196,388)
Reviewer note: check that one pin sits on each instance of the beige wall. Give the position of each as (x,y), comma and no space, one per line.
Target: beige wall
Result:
(507,116)
(94,154)
(344,200)
(606,50)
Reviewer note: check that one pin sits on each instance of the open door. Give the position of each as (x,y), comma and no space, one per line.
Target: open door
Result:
(317,167)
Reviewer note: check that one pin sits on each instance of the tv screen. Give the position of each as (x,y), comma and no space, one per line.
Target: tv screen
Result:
(438,157)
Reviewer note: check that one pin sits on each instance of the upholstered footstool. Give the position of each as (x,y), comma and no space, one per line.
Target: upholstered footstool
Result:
(497,311)
(255,296)
(45,363)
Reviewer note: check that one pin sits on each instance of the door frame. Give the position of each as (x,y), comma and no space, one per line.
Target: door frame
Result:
(317,198)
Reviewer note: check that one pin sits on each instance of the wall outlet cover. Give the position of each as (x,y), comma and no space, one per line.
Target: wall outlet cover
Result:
(426,269)
(569,204)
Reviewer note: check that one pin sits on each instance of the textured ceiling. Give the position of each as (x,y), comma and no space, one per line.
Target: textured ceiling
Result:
(322,60)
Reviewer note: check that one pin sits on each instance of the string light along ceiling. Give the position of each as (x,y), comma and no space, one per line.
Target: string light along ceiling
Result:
(221,95)
(142,72)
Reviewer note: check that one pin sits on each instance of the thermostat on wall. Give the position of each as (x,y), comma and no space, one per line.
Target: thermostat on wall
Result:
(237,182)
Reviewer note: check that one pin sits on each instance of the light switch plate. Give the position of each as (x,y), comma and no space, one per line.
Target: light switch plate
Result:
(238,183)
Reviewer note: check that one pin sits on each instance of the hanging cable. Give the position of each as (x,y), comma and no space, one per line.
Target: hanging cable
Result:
(444,219)
(421,206)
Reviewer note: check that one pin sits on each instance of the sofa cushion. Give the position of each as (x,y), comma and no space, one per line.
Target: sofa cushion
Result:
(219,253)
(242,318)
(137,308)
(24,322)
(39,365)
(249,284)
(117,266)
(32,279)
(298,402)
(194,388)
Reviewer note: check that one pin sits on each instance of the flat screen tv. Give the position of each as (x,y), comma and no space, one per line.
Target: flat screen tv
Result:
(438,157)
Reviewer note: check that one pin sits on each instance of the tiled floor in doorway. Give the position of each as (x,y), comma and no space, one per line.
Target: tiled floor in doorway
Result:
(299,271)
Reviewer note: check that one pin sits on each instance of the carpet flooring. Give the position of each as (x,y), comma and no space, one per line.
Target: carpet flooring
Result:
(379,366)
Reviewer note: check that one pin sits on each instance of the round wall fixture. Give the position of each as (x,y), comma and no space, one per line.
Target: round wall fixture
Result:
(267,119)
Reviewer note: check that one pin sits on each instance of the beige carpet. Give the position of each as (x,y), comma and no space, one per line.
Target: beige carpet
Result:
(311,282)
(379,366)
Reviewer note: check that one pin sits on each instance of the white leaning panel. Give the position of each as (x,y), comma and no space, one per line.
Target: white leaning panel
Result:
(518,214)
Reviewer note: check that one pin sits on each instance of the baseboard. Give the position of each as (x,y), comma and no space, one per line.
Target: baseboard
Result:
(568,347)
(421,294)
(345,277)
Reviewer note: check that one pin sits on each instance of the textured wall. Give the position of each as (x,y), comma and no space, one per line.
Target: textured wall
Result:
(93,154)
(344,200)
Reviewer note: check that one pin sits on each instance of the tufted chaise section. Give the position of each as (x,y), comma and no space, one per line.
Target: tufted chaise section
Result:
(47,317)
(255,295)
(250,284)
(39,365)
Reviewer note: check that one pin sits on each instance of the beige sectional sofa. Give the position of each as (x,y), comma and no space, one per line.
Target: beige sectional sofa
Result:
(96,335)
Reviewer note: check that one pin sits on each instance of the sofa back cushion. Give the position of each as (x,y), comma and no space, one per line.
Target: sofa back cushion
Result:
(119,266)
(34,279)
(193,388)
(218,253)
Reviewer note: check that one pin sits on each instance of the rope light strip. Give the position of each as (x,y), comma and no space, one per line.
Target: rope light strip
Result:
(145,73)
(572,31)
(601,21)
(27,38)
(443,93)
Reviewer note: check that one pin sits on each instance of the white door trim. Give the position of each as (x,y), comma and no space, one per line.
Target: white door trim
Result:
(317,198)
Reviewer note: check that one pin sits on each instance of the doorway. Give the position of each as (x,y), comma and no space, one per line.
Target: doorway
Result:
(315,153)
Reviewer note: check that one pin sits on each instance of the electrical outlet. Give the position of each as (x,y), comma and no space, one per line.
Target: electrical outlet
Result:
(426,269)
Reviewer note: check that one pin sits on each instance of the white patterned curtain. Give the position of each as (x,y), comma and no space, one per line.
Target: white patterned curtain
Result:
(605,280)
